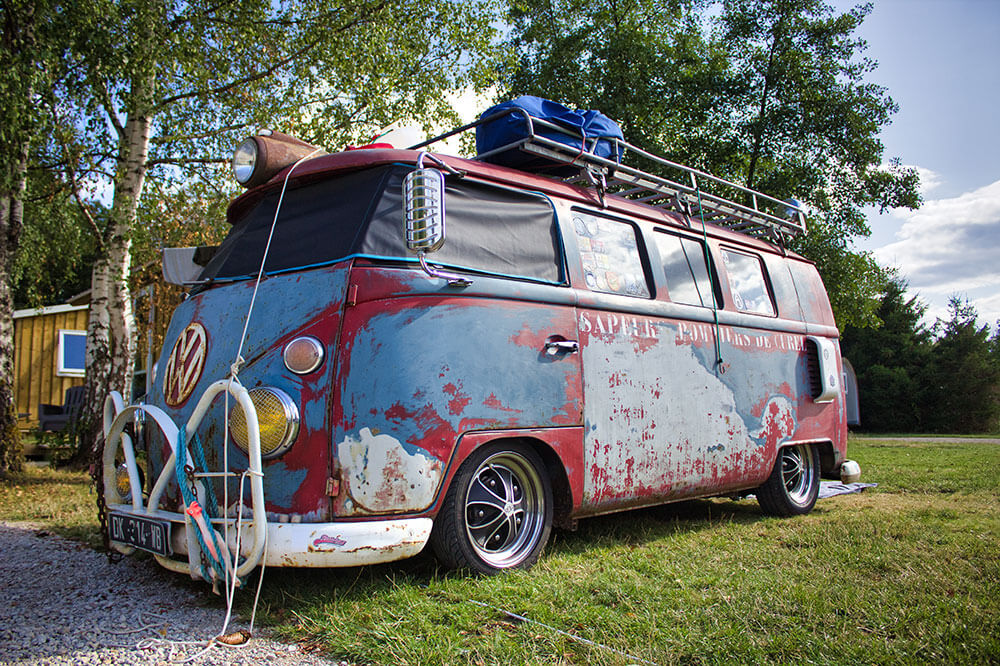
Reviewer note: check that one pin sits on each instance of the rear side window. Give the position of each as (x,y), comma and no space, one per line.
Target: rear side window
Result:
(685,268)
(609,252)
(747,282)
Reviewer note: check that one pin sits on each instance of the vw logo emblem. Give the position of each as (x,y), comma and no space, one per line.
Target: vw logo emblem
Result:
(185,364)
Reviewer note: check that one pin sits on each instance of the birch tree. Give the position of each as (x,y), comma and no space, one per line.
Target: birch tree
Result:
(164,90)
(25,60)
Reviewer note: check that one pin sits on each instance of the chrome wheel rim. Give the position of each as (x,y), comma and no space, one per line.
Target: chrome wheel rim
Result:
(798,472)
(504,510)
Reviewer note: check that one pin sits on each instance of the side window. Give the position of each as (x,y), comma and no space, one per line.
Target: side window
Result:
(746,279)
(685,269)
(610,255)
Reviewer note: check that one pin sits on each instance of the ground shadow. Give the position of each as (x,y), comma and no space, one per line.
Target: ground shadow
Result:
(634,527)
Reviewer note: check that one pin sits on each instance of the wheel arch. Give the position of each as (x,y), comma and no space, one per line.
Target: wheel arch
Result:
(560,453)
(828,461)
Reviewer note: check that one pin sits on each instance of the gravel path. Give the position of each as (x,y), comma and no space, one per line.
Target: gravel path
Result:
(63,603)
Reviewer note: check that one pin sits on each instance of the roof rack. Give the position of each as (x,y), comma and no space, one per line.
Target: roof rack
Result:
(698,194)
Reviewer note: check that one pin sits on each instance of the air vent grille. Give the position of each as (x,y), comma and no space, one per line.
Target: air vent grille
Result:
(813,370)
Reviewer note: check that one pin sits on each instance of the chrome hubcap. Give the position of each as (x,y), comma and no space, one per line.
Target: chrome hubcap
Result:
(798,472)
(504,510)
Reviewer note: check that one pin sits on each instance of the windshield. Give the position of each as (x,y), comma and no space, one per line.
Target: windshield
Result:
(318,223)
(490,229)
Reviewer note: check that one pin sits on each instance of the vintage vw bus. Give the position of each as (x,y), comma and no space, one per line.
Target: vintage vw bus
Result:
(396,348)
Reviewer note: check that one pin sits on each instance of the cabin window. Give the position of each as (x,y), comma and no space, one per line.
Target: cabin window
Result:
(747,283)
(609,251)
(685,267)
(72,360)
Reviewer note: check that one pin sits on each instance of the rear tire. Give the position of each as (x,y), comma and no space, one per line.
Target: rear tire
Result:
(497,513)
(793,486)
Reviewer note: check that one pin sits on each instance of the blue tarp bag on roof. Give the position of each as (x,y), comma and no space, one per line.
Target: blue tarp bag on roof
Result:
(512,127)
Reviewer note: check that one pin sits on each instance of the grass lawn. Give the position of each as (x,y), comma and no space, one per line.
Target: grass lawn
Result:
(63,502)
(908,572)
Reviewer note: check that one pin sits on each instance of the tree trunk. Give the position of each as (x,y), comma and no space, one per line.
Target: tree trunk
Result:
(111,328)
(760,126)
(11,212)
(17,61)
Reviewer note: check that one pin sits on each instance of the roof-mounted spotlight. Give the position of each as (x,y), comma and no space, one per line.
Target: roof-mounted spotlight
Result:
(259,158)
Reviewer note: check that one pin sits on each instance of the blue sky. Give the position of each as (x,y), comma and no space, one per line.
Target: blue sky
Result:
(940,60)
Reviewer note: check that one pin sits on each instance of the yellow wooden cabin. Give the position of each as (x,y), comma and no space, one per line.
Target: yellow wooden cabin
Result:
(49,348)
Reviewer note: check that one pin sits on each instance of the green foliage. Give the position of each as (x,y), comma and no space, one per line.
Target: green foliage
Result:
(186,216)
(207,73)
(57,247)
(647,65)
(768,93)
(889,361)
(912,379)
(962,380)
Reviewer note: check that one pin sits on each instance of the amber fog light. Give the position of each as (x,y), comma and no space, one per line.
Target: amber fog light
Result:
(303,355)
(123,486)
(277,416)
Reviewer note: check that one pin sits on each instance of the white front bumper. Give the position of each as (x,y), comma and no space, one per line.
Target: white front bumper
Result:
(338,544)
(344,544)
(307,545)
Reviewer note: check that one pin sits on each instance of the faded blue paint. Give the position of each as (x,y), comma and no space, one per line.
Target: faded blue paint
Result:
(283,306)
(665,421)
(427,370)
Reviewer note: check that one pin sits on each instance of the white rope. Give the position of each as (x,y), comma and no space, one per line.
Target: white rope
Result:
(234,377)
(267,248)
(580,639)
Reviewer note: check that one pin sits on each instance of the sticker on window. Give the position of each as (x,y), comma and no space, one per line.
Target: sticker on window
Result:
(747,282)
(609,252)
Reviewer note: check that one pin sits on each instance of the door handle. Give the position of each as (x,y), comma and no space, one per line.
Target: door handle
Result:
(560,345)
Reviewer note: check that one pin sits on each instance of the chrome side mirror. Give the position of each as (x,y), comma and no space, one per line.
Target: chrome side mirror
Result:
(424,218)
(423,204)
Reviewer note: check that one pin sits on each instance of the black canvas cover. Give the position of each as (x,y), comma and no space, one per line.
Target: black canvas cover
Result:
(489,228)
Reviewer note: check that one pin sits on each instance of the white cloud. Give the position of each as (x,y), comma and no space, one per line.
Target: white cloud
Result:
(951,247)
(929,180)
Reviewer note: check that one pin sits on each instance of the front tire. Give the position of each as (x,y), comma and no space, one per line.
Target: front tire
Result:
(793,486)
(497,513)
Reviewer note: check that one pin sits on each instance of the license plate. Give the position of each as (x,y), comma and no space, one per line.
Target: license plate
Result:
(145,533)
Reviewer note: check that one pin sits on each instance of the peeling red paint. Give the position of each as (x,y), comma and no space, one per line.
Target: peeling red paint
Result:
(527,338)
(493,402)
(459,400)
(398,412)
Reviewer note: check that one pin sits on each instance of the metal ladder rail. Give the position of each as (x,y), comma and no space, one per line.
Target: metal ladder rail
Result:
(718,210)
(653,190)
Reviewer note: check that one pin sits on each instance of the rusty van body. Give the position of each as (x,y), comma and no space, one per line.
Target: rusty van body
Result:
(560,352)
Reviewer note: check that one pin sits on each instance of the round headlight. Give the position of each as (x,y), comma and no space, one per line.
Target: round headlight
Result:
(303,355)
(245,160)
(277,416)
